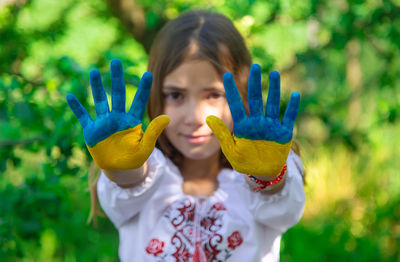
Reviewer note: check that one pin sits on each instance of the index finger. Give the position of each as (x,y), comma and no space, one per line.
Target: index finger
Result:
(78,110)
(291,111)
(142,96)
(234,100)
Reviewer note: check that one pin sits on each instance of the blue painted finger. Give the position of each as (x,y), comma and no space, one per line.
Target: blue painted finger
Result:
(117,87)
(291,111)
(78,110)
(274,96)
(142,96)
(254,91)
(99,95)
(234,100)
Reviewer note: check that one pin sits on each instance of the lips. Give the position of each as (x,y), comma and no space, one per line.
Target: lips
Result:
(197,139)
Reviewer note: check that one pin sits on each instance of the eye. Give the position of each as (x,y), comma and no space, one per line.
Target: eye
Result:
(215,95)
(173,96)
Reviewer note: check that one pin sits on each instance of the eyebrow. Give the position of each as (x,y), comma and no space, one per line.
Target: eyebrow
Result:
(173,88)
(183,89)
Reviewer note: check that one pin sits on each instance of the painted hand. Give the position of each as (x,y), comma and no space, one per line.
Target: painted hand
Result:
(115,139)
(260,144)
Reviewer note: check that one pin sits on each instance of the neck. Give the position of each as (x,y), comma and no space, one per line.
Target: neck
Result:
(193,169)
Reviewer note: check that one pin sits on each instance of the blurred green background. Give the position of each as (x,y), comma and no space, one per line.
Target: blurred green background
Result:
(343,57)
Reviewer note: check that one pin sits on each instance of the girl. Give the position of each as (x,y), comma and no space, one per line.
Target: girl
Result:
(221,183)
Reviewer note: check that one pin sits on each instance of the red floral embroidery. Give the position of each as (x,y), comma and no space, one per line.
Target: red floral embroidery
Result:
(218,206)
(235,240)
(199,255)
(196,238)
(185,255)
(155,247)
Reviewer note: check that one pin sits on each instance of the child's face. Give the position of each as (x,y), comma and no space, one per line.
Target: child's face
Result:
(193,91)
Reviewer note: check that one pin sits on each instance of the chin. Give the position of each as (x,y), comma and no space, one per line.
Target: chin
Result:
(199,154)
(195,156)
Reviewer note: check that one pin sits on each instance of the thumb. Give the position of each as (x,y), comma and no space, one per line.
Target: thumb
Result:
(154,130)
(221,131)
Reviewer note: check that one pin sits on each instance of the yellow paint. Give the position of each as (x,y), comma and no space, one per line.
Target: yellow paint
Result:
(130,148)
(254,157)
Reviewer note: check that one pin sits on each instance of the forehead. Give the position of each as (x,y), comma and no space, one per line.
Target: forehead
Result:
(193,73)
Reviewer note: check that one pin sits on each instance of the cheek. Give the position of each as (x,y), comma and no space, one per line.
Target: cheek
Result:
(173,115)
(169,130)
(227,118)
(224,113)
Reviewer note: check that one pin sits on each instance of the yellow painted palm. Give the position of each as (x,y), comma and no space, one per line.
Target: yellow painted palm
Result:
(115,139)
(260,143)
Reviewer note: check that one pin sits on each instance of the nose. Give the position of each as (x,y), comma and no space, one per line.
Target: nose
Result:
(194,114)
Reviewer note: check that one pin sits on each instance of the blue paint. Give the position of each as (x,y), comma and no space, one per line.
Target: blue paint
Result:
(258,126)
(109,122)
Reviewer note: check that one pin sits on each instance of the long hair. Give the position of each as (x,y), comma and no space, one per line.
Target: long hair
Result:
(196,35)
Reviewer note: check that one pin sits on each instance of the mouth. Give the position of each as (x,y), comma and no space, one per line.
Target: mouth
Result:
(198,139)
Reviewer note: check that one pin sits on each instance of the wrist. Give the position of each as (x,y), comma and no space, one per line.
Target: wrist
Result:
(128,177)
(267,184)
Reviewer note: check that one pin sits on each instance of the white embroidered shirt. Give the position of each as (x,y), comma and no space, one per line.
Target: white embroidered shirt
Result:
(156,221)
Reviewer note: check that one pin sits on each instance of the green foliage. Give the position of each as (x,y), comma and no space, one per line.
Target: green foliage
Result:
(341,55)
(40,221)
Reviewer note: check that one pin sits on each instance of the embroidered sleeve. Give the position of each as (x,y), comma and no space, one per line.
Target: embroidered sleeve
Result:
(121,204)
(285,208)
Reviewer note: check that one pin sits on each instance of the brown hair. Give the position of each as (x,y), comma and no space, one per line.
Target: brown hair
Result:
(196,34)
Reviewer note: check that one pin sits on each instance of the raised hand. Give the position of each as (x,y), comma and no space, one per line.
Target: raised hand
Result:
(260,143)
(115,139)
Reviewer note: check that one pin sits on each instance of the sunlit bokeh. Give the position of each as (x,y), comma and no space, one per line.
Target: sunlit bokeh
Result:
(342,56)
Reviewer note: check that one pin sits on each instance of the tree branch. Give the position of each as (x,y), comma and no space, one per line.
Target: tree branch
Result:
(21,141)
(133,17)
(25,80)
